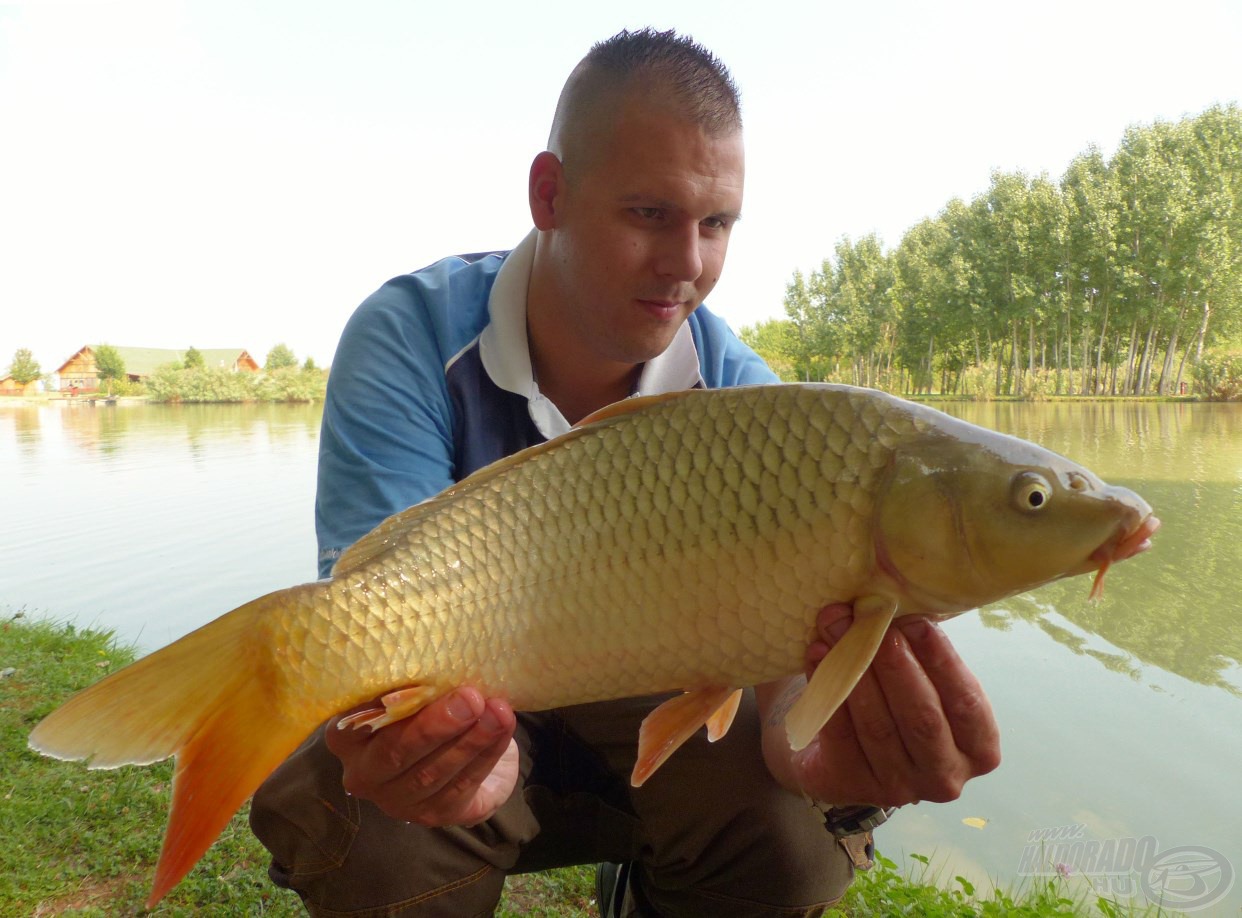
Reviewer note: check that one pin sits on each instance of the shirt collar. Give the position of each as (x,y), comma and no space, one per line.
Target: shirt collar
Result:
(505,350)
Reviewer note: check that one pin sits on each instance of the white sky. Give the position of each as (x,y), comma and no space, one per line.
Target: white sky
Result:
(220,173)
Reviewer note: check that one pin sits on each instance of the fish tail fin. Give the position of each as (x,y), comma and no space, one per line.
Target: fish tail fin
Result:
(212,699)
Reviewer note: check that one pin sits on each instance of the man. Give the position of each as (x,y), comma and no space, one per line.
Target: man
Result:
(448,369)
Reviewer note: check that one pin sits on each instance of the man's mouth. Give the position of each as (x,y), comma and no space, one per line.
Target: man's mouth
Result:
(662,308)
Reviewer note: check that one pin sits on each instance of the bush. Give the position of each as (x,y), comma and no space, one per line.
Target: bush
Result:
(171,383)
(214,384)
(1219,375)
(290,384)
(978,383)
(128,387)
(1040,385)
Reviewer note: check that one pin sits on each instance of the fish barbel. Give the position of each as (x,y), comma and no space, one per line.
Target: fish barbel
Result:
(677,542)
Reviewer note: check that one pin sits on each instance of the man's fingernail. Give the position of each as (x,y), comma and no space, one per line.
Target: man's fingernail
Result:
(459,708)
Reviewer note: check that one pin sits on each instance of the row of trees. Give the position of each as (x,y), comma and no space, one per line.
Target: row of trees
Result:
(1118,279)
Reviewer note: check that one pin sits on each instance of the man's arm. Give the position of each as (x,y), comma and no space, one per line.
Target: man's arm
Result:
(917,727)
(386,438)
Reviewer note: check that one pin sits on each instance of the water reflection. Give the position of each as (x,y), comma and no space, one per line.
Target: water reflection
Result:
(122,508)
(23,420)
(1176,606)
(103,430)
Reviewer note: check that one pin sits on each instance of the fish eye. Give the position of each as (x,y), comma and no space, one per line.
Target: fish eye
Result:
(1031,492)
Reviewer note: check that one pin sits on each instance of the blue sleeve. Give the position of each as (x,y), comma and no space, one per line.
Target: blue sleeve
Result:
(723,359)
(386,440)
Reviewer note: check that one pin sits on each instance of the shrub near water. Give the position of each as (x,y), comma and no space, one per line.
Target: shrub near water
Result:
(1220,375)
(171,383)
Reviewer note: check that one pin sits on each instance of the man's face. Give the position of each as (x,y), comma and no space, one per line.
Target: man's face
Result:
(642,227)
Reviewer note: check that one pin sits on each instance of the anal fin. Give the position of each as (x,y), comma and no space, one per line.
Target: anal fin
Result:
(839,672)
(676,720)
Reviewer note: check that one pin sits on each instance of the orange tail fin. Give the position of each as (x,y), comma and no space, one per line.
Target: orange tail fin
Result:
(213,699)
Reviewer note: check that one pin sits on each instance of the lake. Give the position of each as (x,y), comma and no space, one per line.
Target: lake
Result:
(1121,720)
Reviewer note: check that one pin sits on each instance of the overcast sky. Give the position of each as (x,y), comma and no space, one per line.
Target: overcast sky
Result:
(219,173)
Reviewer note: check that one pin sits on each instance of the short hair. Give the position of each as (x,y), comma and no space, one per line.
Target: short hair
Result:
(693,79)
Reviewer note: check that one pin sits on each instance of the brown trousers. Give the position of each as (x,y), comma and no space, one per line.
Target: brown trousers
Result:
(711,832)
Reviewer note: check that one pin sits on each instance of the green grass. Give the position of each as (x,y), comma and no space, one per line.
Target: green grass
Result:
(85,842)
(79,842)
(923,890)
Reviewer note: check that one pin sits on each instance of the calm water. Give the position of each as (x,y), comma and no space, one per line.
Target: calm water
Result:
(151,520)
(1122,717)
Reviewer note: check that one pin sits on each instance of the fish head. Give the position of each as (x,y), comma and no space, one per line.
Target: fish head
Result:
(968,516)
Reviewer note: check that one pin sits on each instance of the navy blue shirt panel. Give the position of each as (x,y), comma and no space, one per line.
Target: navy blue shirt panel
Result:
(489,422)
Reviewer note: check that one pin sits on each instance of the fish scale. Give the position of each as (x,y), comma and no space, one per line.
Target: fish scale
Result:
(679,542)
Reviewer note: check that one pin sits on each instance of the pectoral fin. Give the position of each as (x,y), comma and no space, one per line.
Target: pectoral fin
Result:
(720,722)
(839,672)
(676,720)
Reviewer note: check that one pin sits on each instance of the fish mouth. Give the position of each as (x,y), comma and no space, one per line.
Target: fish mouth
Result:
(1124,545)
(1129,544)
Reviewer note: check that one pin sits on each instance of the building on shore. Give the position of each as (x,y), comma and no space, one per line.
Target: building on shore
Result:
(10,386)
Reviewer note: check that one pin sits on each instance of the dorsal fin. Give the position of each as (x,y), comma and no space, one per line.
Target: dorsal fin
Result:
(378,540)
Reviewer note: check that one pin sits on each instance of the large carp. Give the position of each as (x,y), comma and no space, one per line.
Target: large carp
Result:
(682,541)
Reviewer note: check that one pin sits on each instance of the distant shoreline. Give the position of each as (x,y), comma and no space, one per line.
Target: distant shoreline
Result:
(56,398)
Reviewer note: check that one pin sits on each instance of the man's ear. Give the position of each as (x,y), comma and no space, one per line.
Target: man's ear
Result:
(547,183)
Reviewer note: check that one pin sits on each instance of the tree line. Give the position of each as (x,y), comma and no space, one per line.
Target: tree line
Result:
(1123,278)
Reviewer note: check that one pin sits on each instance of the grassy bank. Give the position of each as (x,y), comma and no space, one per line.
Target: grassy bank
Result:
(84,842)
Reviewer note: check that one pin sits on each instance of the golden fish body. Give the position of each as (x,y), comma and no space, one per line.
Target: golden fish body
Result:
(678,542)
(692,548)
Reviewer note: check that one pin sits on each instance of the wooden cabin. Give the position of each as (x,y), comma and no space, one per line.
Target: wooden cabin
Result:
(10,386)
(79,372)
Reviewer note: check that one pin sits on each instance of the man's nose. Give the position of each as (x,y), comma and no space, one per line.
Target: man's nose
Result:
(680,255)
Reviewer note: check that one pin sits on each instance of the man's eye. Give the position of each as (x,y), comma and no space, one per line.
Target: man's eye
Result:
(715,223)
(649,213)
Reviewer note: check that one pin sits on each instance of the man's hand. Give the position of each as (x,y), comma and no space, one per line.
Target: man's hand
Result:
(453,763)
(917,726)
